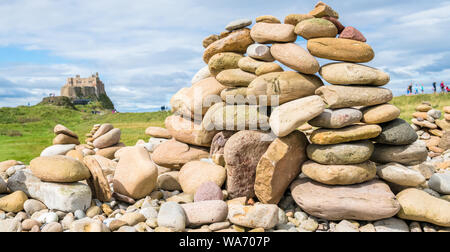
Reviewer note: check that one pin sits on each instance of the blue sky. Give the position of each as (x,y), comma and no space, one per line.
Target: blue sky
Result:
(147,50)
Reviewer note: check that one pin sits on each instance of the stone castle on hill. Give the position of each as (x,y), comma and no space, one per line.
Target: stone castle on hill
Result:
(79,88)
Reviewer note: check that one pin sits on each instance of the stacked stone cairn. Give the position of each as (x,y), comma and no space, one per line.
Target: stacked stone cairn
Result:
(431,129)
(232,158)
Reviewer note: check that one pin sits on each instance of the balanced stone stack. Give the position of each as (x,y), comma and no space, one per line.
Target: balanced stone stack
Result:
(89,136)
(430,128)
(106,140)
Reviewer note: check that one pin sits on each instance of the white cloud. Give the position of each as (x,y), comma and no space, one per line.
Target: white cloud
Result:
(146,50)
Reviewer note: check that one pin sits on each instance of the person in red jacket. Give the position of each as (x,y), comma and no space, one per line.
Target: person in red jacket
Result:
(442,87)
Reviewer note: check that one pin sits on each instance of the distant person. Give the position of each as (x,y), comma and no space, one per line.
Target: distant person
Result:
(422,89)
(442,87)
(434,87)
(416,90)
(448,89)
(410,89)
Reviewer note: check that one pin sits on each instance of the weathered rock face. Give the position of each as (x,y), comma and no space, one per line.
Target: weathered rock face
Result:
(265,33)
(336,119)
(258,216)
(369,201)
(341,49)
(397,132)
(174,154)
(295,57)
(59,169)
(240,117)
(400,175)
(195,173)
(279,166)
(353,96)
(316,28)
(412,154)
(218,147)
(238,42)
(242,154)
(288,86)
(97,182)
(323,10)
(340,174)
(189,132)
(64,197)
(289,116)
(344,135)
(223,61)
(353,74)
(341,154)
(135,175)
(420,206)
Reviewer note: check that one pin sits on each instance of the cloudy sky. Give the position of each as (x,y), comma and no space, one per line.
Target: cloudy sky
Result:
(146,50)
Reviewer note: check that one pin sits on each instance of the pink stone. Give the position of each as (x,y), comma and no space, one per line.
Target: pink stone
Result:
(208,191)
(336,22)
(352,33)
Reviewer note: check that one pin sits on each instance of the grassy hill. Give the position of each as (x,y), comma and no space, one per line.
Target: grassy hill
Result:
(26,131)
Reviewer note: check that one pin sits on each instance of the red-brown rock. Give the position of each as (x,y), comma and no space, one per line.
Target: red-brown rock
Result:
(352,33)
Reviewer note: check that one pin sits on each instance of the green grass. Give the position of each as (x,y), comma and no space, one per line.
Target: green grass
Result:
(26,131)
(408,104)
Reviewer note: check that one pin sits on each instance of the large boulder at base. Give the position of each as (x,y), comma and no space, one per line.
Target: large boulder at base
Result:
(223,61)
(56,150)
(109,139)
(288,86)
(353,96)
(316,28)
(265,33)
(341,154)
(195,173)
(295,57)
(66,197)
(158,132)
(408,155)
(369,201)
(242,154)
(336,119)
(340,174)
(400,175)
(60,169)
(135,175)
(418,205)
(279,166)
(238,41)
(380,114)
(345,135)
(189,132)
(353,74)
(173,154)
(258,216)
(341,49)
(397,132)
(288,117)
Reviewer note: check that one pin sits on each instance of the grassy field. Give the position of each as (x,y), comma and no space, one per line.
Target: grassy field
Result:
(26,131)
